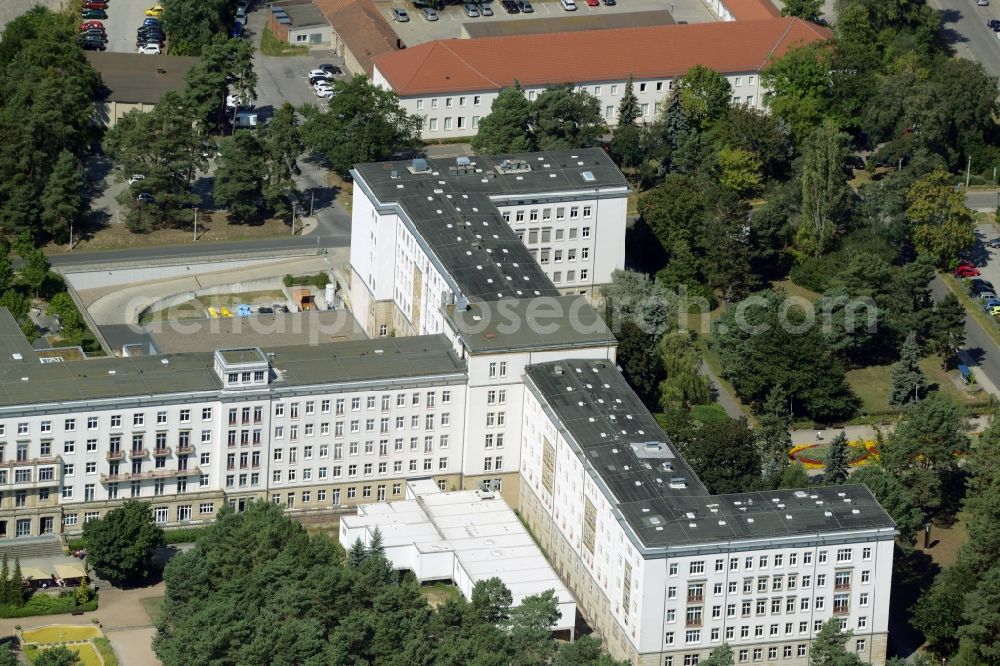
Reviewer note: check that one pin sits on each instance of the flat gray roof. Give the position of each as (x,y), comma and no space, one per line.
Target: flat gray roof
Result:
(624,448)
(28,381)
(303,14)
(596,21)
(530,323)
(450,208)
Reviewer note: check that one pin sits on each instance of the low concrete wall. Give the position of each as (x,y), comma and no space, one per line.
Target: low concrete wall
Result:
(260,284)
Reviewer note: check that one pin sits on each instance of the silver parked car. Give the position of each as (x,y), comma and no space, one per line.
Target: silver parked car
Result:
(429,14)
(400,15)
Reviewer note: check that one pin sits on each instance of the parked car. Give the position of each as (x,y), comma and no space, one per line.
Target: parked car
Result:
(994,25)
(95,4)
(485,9)
(93,45)
(332,70)
(568,5)
(94,14)
(992,308)
(151,21)
(593,3)
(854,162)
(429,14)
(510,6)
(470,10)
(993,242)
(135,178)
(399,14)
(610,3)
(88,25)
(966,271)
(324,93)
(318,73)
(154,49)
(155,10)
(144,197)
(95,33)
(983,3)
(525,6)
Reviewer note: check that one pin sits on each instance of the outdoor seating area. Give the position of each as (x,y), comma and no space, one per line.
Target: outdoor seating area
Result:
(53,572)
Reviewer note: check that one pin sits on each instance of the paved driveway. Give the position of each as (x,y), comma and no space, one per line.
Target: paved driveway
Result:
(124,17)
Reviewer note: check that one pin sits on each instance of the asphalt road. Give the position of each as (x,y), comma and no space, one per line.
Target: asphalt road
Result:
(195,251)
(964,27)
(985,200)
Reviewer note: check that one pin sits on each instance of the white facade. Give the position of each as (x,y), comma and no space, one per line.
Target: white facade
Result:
(766,598)
(457,114)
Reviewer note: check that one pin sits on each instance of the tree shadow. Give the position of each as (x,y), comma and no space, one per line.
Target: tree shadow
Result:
(643,251)
(947,33)
(913,572)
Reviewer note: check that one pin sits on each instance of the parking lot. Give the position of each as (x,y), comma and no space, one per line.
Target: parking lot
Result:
(451,18)
(124,16)
(283,79)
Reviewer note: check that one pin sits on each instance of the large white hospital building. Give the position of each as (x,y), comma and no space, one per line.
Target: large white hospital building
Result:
(488,367)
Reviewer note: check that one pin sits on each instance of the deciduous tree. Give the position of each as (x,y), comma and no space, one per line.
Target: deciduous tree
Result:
(57,656)
(942,224)
(122,544)
(564,117)
(363,123)
(829,647)
(705,96)
(507,128)
(825,195)
(724,455)
(808,10)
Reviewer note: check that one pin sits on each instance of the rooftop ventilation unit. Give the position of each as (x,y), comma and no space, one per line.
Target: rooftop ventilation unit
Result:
(418,165)
(678,482)
(513,166)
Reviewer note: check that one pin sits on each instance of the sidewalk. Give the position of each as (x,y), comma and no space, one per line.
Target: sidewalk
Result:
(855,433)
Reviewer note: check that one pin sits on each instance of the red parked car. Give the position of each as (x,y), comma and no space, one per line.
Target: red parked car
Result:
(593,3)
(966,271)
(91,25)
(95,4)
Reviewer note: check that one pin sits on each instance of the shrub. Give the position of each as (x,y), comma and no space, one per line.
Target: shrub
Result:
(43,604)
(183,535)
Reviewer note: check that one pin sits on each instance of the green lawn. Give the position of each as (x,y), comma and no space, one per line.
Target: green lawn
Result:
(272,46)
(153,607)
(438,593)
(792,289)
(59,633)
(872,385)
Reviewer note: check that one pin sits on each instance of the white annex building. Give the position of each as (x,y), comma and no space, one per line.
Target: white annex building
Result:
(464,536)
(501,376)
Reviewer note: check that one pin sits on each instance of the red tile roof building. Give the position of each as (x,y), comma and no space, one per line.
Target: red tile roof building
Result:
(452,82)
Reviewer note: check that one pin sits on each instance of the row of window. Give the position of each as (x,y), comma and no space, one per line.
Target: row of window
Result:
(694,636)
(448,123)
(757,654)
(450,102)
(841,581)
(371,402)
(93,422)
(366,469)
(759,607)
(383,426)
(575,213)
(777,561)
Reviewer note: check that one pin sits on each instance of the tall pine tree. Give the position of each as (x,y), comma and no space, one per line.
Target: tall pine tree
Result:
(62,200)
(628,108)
(837,460)
(908,380)
(773,437)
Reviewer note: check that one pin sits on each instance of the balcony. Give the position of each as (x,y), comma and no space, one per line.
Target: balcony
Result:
(841,611)
(842,586)
(115,455)
(53,460)
(695,598)
(161,451)
(152,474)
(138,454)
(693,623)
(185,449)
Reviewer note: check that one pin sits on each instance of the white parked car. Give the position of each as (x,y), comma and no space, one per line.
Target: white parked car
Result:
(150,49)
(135,178)
(324,93)
(568,5)
(318,73)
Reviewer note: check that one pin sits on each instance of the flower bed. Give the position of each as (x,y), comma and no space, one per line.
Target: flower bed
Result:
(813,456)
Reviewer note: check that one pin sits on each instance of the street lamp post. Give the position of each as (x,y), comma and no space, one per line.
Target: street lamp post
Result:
(195,237)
